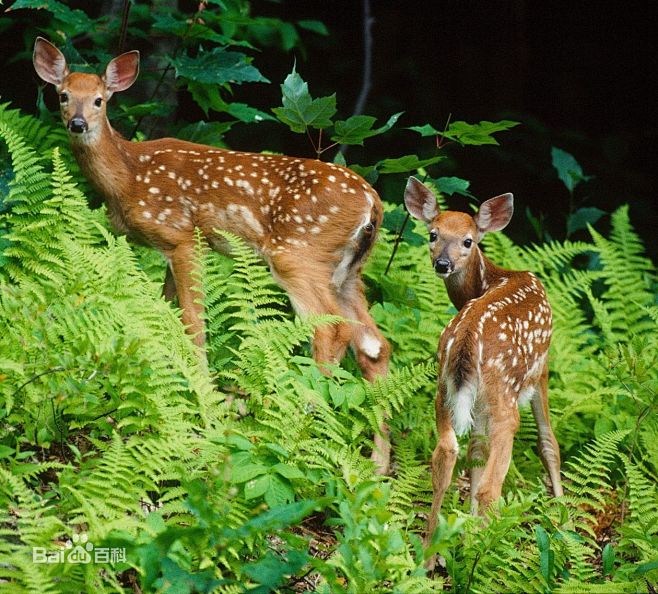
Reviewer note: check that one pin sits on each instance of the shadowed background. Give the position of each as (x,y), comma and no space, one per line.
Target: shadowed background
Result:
(575,75)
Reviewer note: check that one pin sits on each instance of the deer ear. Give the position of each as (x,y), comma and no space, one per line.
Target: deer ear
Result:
(495,214)
(122,71)
(420,201)
(49,62)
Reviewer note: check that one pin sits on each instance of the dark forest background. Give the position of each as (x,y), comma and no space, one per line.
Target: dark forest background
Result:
(577,76)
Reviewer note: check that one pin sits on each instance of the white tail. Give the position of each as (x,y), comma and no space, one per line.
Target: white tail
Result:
(493,355)
(314,223)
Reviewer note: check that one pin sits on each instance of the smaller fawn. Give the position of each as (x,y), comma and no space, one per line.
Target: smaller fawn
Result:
(493,355)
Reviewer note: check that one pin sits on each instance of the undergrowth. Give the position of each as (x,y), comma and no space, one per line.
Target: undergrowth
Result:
(255,476)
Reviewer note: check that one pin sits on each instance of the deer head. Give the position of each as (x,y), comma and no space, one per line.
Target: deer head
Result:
(83,97)
(453,236)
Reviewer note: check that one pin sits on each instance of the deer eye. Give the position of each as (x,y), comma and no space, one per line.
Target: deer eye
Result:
(433,236)
(468,243)
(63,97)
(98,101)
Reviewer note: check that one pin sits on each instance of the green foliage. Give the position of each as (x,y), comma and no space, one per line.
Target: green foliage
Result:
(587,215)
(452,185)
(464,133)
(568,169)
(355,129)
(253,474)
(571,175)
(217,67)
(75,20)
(300,111)
(404,164)
(373,553)
(205,52)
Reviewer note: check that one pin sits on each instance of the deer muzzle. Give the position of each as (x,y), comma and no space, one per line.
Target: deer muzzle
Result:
(77,125)
(443,266)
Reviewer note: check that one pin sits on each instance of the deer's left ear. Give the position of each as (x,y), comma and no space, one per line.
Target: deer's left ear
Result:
(122,71)
(494,214)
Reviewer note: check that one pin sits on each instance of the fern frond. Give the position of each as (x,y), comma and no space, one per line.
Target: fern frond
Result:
(589,473)
(411,486)
(31,517)
(642,498)
(393,392)
(627,274)
(575,586)
(35,132)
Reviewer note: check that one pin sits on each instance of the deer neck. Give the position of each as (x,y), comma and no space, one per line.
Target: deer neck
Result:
(105,161)
(473,280)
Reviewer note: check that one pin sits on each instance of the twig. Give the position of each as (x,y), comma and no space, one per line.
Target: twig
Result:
(167,68)
(398,239)
(124,25)
(105,414)
(153,94)
(439,138)
(472,572)
(36,377)
(308,133)
(319,150)
(326,148)
(366,82)
(643,415)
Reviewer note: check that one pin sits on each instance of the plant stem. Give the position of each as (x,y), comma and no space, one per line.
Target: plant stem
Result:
(124,26)
(180,43)
(366,81)
(398,239)
(36,377)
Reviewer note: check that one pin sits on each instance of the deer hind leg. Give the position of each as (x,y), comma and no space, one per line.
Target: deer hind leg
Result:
(478,452)
(169,287)
(503,424)
(372,352)
(371,349)
(182,261)
(549,450)
(444,458)
(310,291)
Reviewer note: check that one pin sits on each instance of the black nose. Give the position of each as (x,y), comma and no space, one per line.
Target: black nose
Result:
(77,125)
(442,265)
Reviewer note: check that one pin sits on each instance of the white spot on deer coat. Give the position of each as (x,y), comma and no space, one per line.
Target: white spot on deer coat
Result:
(247,215)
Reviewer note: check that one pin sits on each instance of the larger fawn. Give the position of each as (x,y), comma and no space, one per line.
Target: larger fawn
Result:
(493,355)
(314,223)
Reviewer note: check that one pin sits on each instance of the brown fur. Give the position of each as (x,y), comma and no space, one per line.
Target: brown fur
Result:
(491,354)
(314,223)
